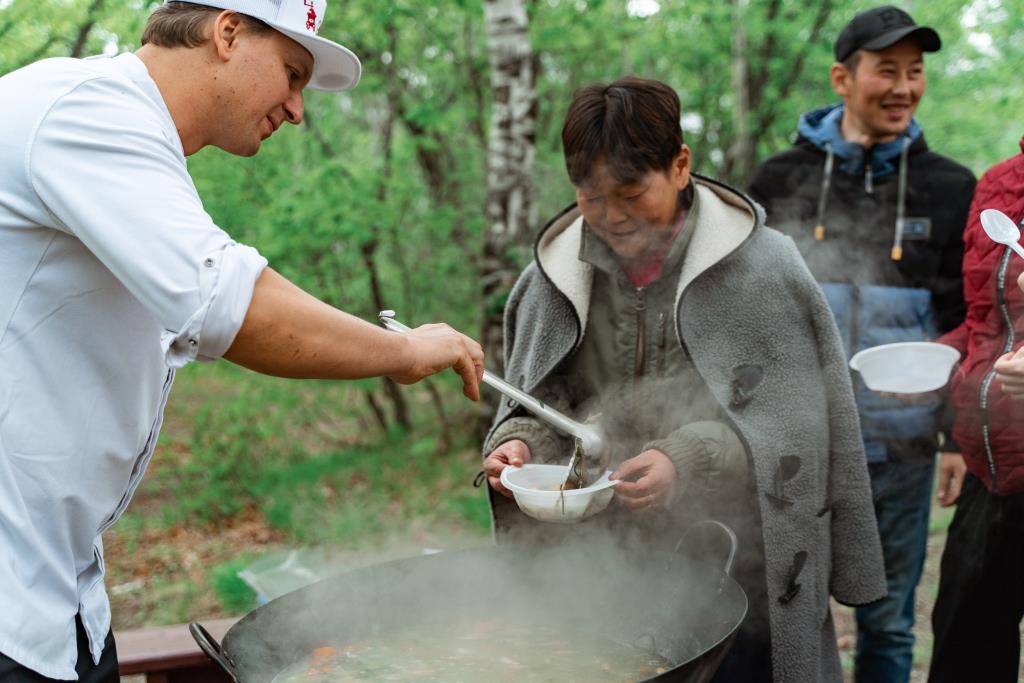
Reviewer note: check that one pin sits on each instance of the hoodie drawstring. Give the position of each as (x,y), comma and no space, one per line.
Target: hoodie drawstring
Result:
(826,183)
(901,203)
(896,253)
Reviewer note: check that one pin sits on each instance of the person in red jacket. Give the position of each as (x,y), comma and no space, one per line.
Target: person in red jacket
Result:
(977,615)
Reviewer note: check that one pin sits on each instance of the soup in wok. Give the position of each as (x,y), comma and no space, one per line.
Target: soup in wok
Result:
(464,652)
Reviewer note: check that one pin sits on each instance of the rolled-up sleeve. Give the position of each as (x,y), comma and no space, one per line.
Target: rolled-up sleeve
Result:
(226,280)
(110,173)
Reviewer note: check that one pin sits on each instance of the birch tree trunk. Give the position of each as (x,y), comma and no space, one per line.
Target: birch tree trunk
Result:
(510,150)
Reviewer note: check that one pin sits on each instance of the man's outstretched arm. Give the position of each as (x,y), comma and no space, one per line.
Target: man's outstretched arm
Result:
(290,333)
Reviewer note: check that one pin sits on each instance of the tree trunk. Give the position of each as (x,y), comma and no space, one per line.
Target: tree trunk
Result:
(739,159)
(509,205)
(475,76)
(83,31)
(378,412)
(369,249)
(434,157)
(767,112)
(444,446)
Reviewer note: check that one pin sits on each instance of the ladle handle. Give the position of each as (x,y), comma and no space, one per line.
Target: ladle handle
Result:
(538,408)
(212,649)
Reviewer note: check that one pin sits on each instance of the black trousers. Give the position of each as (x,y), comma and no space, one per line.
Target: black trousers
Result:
(981,590)
(104,672)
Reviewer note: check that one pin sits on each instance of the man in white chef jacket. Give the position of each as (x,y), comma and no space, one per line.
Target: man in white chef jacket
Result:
(112,275)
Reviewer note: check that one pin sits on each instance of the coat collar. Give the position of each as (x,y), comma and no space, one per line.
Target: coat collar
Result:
(725,220)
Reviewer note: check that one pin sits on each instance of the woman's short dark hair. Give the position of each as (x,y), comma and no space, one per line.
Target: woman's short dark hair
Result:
(632,125)
(183,24)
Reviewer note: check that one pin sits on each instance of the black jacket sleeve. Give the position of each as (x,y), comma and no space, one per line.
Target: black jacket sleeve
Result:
(948,290)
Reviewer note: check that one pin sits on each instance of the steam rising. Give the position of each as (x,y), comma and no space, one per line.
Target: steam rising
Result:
(829,260)
(667,605)
(617,574)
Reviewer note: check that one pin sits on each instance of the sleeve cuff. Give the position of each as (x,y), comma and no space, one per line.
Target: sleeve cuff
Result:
(706,455)
(545,445)
(227,278)
(688,453)
(950,446)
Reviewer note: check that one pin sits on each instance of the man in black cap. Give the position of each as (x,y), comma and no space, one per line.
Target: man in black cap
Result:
(878,218)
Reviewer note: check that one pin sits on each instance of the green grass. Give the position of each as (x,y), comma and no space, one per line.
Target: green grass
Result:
(349,495)
(311,458)
(308,454)
(940,520)
(235,595)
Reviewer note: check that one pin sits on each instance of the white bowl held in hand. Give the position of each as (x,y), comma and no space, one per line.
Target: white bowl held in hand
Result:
(535,488)
(906,367)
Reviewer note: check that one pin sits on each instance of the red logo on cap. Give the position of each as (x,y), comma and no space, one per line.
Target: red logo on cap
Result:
(310,16)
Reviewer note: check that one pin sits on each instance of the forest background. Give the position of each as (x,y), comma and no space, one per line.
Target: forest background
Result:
(421,190)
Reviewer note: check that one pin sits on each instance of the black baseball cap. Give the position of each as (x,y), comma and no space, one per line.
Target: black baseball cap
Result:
(880,27)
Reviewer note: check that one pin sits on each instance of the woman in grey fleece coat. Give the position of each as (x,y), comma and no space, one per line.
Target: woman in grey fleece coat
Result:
(762,417)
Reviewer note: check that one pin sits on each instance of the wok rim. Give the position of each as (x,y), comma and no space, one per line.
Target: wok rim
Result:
(226,647)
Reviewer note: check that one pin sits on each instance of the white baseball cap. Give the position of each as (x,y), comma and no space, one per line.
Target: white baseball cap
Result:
(335,67)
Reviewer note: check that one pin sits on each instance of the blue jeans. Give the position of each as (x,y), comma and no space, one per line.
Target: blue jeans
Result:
(902,491)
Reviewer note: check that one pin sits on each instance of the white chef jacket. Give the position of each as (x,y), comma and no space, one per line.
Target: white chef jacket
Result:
(111,276)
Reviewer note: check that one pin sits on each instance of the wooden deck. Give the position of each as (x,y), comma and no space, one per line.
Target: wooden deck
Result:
(168,654)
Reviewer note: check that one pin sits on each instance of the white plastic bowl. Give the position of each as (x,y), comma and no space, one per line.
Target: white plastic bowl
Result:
(527,484)
(907,367)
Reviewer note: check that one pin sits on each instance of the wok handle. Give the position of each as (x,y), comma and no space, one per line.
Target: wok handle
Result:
(212,649)
(721,527)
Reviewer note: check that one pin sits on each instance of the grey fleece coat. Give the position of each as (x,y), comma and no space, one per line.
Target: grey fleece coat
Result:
(761,335)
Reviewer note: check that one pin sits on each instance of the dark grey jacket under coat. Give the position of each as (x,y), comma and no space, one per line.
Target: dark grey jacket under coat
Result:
(763,339)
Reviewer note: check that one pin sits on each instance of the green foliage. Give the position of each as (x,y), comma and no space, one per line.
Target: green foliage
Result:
(357,495)
(35,29)
(303,453)
(471,506)
(235,596)
(388,181)
(337,195)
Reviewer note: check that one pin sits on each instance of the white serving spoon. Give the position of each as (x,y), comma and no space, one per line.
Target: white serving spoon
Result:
(1001,229)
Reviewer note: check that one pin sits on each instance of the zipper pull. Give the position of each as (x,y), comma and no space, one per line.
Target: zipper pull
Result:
(661,343)
(641,331)
(869,179)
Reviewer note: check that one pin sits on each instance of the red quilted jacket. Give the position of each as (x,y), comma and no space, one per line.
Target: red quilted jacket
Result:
(989,426)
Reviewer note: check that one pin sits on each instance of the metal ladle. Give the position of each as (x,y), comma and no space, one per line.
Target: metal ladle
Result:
(591,441)
(1001,229)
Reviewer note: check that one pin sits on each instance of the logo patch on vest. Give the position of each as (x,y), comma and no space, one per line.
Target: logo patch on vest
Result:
(919,229)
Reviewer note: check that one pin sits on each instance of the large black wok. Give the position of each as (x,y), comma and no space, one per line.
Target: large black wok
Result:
(680,607)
